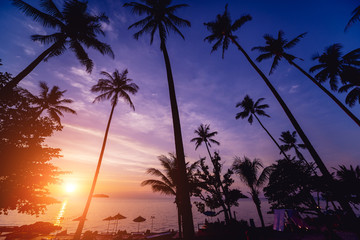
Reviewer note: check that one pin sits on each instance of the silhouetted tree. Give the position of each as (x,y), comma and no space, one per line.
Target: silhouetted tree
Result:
(349,183)
(160,17)
(210,192)
(289,140)
(26,170)
(290,185)
(113,87)
(354,84)
(222,32)
(52,101)
(76,28)
(355,17)
(204,136)
(167,183)
(248,172)
(253,109)
(276,48)
(333,65)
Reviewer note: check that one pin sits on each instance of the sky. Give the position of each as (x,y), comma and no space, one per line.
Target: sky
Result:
(207,87)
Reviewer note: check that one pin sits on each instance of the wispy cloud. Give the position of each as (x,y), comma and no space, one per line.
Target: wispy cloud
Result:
(293,89)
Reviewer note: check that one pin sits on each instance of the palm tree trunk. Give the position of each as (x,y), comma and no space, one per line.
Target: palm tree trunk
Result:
(14,82)
(207,147)
(79,229)
(282,152)
(257,202)
(179,221)
(342,106)
(344,204)
(183,185)
(292,119)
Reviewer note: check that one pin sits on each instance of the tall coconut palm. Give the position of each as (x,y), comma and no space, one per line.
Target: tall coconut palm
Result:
(75,28)
(248,172)
(204,136)
(113,87)
(355,17)
(167,183)
(50,100)
(289,140)
(251,109)
(159,16)
(335,66)
(222,32)
(276,48)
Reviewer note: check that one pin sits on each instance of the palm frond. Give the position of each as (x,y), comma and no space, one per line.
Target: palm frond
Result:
(354,18)
(51,8)
(274,64)
(241,21)
(45,19)
(264,56)
(82,56)
(294,41)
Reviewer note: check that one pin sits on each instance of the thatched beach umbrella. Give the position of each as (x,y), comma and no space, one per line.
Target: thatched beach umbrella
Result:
(108,219)
(118,217)
(139,219)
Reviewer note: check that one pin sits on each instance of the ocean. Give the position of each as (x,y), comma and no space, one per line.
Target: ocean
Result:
(160,214)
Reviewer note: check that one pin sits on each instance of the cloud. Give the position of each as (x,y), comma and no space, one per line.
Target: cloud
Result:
(293,89)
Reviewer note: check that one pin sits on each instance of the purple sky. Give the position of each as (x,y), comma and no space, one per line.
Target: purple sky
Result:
(207,86)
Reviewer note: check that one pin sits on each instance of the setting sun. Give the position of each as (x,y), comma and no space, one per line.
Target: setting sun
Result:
(70,187)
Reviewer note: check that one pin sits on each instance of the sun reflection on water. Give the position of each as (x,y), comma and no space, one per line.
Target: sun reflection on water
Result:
(60,216)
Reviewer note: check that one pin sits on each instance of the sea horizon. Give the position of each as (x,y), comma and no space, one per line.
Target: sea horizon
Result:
(160,214)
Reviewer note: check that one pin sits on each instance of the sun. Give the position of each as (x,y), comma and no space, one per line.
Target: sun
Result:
(70,187)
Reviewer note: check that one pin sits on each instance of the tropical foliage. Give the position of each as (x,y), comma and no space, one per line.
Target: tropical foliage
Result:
(204,136)
(289,140)
(222,31)
(213,193)
(290,186)
(251,109)
(248,171)
(77,28)
(26,168)
(167,182)
(113,87)
(52,101)
(276,48)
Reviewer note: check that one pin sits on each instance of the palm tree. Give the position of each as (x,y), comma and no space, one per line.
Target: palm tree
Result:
(289,140)
(76,27)
(222,31)
(160,17)
(113,87)
(276,48)
(167,183)
(354,95)
(204,136)
(334,66)
(248,172)
(253,109)
(51,101)
(354,18)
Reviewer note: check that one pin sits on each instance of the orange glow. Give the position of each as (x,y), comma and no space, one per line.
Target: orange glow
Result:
(60,216)
(70,187)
